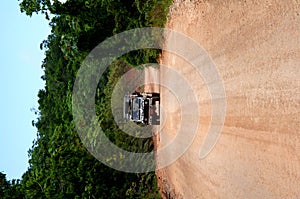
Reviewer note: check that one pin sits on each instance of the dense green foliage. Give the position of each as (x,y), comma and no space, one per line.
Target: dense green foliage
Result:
(10,189)
(60,166)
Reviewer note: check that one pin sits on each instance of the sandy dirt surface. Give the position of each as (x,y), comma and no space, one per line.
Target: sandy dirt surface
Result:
(152,80)
(255,46)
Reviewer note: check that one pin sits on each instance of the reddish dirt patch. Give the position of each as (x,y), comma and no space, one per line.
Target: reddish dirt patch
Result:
(256,48)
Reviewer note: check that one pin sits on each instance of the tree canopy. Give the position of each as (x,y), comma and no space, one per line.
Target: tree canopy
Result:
(60,166)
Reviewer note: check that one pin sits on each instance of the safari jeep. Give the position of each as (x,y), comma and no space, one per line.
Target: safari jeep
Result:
(142,108)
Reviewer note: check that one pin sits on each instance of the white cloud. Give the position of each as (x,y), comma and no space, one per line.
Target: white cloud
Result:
(61,1)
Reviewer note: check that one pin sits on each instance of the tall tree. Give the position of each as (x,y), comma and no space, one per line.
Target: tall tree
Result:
(60,166)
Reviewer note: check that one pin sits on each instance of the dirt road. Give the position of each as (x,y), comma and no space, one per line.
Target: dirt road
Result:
(255,46)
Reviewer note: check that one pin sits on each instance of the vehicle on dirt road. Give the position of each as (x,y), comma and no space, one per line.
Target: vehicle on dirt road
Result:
(142,108)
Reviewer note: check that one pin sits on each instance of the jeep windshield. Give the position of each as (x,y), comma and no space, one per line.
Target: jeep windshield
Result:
(136,106)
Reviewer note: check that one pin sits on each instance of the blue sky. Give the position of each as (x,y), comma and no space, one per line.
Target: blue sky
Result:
(20,81)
